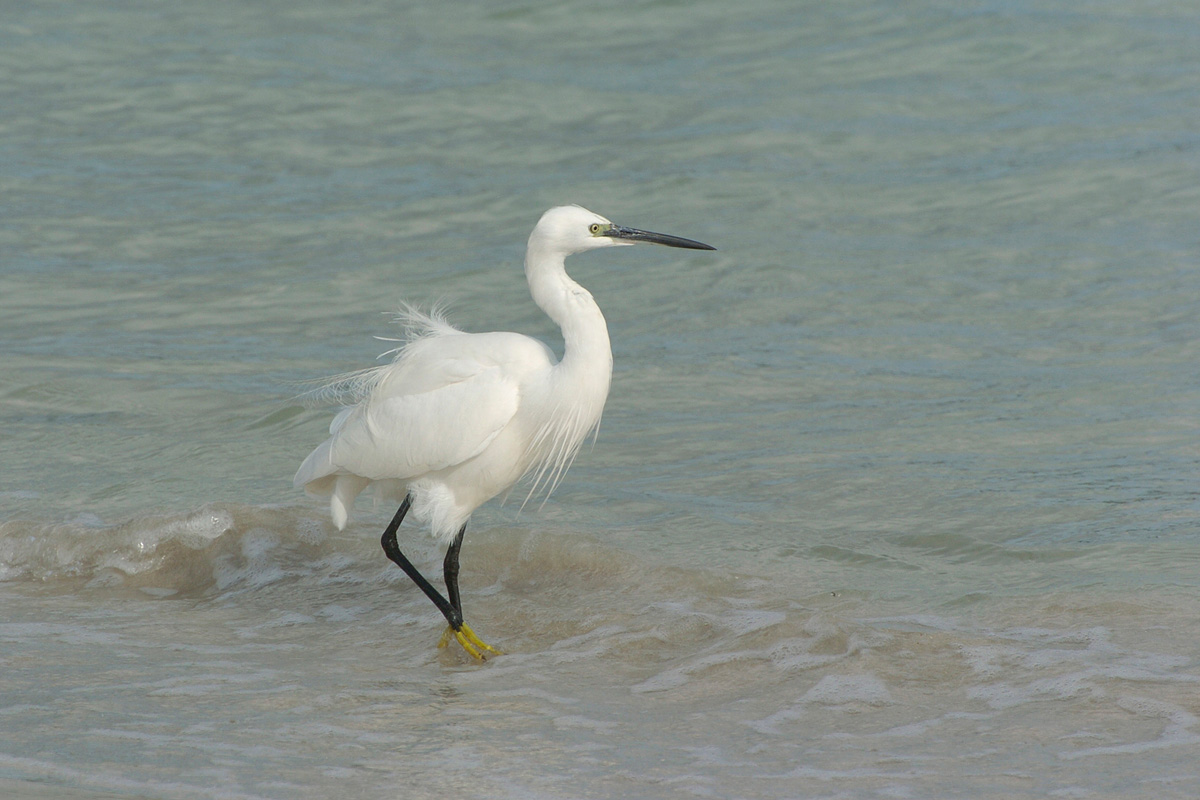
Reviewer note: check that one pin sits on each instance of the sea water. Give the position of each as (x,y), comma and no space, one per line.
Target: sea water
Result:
(896,494)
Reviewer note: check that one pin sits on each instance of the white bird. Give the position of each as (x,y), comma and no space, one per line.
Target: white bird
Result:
(457,418)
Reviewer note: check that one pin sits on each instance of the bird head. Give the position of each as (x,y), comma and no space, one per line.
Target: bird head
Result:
(573,229)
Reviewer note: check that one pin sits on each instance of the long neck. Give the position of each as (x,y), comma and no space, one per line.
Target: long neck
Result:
(585,333)
(569,403)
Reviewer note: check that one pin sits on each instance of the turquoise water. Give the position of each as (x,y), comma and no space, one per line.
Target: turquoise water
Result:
(896,494)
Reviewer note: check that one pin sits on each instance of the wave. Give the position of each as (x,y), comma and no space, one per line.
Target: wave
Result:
(224,548)
(216,546)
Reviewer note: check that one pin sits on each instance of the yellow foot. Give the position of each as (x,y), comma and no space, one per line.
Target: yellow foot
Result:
(469,641)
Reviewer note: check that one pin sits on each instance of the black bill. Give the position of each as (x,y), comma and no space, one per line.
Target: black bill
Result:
(634,235)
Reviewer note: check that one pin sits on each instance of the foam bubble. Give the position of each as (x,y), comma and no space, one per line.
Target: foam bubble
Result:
(834,690)
(1178,730)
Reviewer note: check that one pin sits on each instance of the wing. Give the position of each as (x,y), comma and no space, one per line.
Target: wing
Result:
(443,402)
(405,436)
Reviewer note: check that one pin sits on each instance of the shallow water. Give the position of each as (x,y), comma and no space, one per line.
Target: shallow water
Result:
(895,494)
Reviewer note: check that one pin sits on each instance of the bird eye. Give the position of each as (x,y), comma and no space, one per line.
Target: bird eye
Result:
(594,227)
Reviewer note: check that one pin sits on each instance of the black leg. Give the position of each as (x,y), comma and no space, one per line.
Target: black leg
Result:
(451,610)
(450,571)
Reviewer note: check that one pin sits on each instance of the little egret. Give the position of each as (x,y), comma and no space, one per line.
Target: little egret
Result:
(457,418)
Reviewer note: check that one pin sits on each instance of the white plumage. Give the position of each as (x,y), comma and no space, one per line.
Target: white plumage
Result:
(457,418)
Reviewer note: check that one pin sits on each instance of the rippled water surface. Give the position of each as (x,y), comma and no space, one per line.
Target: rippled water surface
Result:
(896,493)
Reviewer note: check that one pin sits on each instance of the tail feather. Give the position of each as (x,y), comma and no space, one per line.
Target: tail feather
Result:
(341,501)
